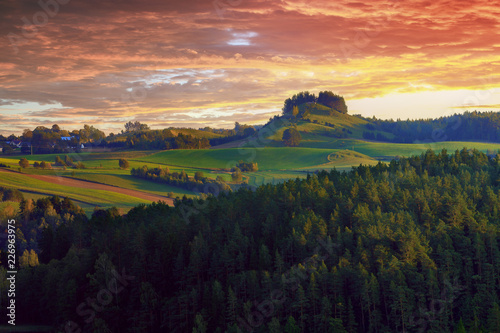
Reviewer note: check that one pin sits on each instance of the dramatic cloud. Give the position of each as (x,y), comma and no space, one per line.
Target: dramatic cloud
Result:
(198,63)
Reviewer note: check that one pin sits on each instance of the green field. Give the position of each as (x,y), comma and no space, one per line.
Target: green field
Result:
(89,197)
(269,158)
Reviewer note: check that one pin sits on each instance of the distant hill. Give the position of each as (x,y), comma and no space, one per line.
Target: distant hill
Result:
(318,125)
(324,126)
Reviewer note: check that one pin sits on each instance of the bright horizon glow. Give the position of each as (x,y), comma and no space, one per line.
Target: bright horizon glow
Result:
(190,64)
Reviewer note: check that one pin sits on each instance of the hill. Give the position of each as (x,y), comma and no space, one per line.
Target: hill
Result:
(318,125)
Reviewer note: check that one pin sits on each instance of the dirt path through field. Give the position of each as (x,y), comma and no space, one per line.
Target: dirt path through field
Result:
(96,186)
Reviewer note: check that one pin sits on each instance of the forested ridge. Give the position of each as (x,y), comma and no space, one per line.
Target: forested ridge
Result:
(469,126)
(409,246)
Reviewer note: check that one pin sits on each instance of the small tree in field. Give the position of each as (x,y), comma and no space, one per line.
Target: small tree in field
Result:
(24,163)
(59,161)
(237,176)
(123,163)
(68,161)
(198,175)
(291,137)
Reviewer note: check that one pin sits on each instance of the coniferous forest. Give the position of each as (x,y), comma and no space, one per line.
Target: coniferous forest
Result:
(409,246)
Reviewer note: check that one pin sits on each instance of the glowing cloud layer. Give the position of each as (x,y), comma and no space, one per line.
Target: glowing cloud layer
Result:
(197,63)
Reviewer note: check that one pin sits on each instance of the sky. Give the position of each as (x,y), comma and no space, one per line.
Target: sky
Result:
(197,63)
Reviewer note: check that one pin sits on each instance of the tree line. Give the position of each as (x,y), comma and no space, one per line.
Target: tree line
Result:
(469,126)
(198,183)
(43,140)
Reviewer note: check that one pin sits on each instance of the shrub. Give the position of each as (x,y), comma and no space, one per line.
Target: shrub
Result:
(36,165)
(237,176)
(59,162)
(198,175)
(243,166)
(68,161)
(79,165)
(45,165)
(123,163)
(7,194)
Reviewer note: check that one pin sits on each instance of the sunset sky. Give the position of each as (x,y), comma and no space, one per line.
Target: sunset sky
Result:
(195,63)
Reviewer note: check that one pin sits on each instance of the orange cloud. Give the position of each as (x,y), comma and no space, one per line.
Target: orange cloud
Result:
(107,63)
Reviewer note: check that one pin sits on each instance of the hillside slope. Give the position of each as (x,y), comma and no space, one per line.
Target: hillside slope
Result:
(318,125)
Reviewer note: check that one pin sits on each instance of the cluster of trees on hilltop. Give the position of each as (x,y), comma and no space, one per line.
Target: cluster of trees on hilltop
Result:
(413,245)
(327,98)
(469,126)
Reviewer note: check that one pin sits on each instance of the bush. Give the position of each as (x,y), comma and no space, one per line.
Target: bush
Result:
(36,165)
(79,165)
(45,165)
(198,175)
(8,194)
(170,195)
(68,161)
(123,163)
(243,166)
(237,176)
(59,162)
(24,163)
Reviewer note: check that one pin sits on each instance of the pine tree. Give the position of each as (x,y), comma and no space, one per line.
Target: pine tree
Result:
(200,325)
(232,302)
(494,319)
(274,326)
(291,326)
(301,305)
